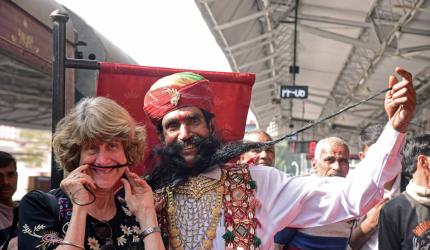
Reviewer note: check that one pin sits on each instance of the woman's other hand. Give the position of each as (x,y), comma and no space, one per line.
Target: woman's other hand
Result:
(140,200)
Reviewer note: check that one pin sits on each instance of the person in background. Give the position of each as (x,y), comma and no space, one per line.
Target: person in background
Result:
(98,142)
(365,233)
(259,156)
(404,221)
(331,159)
(204,199)
(8,209)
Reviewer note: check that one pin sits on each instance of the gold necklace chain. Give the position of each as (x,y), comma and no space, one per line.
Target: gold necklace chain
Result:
(195,187)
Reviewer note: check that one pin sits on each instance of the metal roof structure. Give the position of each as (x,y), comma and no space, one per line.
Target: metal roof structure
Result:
(345,51)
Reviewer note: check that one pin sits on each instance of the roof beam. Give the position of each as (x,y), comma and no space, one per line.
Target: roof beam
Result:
(316,95)
(411,7)
(337,37)
(413,31)
(316,103)
(263,82)
(246,65)
(263,94)
(250,41)
(322,19)
(414,49)
(423,59)
(246,50)
(264,72)
(262,100)
(241,20)
(266,107)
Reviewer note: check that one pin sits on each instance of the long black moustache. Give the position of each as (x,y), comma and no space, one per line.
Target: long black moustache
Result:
(173,169)
(112,166)
(231,150)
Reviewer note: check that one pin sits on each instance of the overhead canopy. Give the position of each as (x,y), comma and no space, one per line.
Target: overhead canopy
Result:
(346,50)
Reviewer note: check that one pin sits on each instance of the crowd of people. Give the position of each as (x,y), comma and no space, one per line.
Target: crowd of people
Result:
(205,193)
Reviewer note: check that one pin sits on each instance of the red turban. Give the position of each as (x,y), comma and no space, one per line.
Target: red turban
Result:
(126,84)
(177,91)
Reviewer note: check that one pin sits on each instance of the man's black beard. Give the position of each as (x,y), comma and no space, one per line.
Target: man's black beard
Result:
(173,169)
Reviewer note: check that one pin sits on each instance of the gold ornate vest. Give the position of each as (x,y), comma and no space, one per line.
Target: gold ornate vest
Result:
(190,212)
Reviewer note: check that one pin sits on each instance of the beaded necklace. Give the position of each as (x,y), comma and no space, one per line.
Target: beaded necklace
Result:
(234,191)
(196,188)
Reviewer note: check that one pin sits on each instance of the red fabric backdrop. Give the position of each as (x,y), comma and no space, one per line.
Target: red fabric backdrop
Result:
(127,84)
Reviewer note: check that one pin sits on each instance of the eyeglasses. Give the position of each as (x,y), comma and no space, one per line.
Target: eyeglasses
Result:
(104,231)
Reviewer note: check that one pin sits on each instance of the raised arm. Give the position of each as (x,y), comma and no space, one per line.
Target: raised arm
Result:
(315,201)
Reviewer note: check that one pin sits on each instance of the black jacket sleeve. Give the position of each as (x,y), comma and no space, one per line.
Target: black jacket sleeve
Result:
(39,226)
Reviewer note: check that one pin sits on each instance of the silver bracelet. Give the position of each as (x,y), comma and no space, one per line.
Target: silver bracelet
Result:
(150,230)
(68,243)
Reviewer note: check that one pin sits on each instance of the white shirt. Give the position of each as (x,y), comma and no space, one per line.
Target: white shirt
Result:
(312,201)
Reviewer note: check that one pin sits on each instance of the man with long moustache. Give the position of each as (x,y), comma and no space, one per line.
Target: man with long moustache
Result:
(207,202)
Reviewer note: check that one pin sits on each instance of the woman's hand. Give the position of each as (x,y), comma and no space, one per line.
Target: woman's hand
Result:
(139,199)
(73,186)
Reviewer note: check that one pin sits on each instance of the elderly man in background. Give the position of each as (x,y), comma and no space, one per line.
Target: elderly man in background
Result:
(259,156)
(331,159)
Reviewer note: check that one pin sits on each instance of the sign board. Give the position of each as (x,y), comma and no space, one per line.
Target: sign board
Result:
(298,92)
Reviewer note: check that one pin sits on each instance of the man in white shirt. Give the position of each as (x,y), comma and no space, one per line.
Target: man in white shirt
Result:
(211,204)
(331,159)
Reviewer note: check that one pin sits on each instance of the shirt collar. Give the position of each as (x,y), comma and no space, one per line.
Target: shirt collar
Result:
(213,173)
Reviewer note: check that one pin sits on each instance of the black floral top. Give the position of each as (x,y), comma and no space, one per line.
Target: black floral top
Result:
(44,219)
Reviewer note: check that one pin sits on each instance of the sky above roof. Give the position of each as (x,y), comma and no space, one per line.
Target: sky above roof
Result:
(163,33)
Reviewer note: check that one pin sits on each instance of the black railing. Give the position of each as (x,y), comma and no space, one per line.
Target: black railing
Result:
(59,64)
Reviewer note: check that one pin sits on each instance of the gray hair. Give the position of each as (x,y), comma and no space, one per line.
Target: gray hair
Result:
(248,135)
(323,143)
(97,119)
